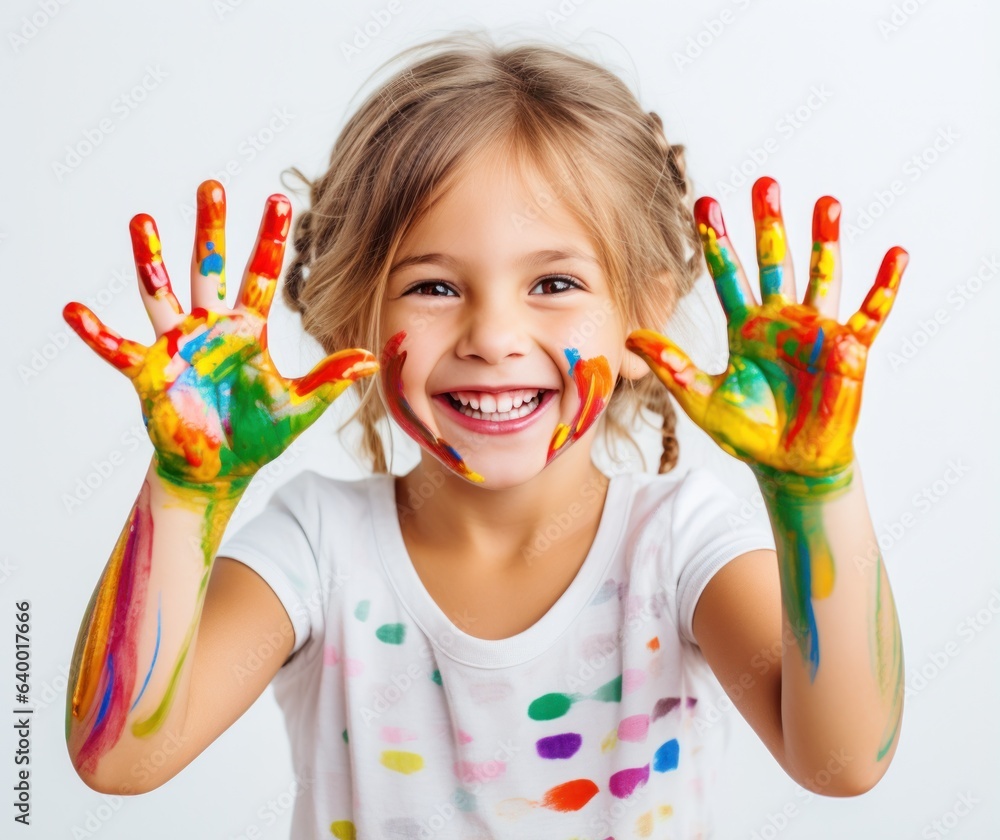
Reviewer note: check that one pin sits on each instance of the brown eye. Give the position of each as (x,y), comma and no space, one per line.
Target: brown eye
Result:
(430,284)
(564,282)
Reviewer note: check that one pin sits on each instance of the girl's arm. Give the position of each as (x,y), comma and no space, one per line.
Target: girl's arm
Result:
(151,681)
(808,645)
(834,725)
(154,676)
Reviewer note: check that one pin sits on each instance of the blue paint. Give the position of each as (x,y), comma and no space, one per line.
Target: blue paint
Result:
(573,356)
(213,263)
(667,756)
(149,673)
(106,700)
(817,346)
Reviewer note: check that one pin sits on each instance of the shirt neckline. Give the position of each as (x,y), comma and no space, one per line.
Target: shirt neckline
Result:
(458,645)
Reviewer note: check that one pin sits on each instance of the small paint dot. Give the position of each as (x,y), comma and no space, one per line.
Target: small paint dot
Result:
(343,830)
(436,676)
(391,634)
(565,745)
(666,757)
(402,762)
(361,610)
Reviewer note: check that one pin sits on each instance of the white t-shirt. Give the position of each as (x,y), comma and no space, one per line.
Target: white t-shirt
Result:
(404,727)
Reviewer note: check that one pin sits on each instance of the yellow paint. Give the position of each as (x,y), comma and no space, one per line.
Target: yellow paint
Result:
(402,762)
(343,830)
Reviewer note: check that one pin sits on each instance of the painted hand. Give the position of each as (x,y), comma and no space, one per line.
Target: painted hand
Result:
(789,399)
(215,407)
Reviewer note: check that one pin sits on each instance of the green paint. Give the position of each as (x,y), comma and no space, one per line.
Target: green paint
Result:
(436,677)
(361,610)
(391,634)
(609,692)
(550,706)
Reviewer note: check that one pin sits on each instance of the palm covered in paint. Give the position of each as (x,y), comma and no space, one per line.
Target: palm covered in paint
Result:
(790,396)
(215,406)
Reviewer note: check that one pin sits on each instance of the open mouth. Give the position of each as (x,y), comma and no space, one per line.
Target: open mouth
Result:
(512,405)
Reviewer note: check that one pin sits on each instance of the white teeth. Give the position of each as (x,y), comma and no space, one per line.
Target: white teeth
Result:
(529,402)
(494,403)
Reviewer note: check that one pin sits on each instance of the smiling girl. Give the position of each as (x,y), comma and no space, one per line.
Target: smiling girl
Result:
(505,641)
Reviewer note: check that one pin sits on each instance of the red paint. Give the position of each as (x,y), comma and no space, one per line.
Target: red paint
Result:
(826,220)
(392,372)
(148,259)
(333,370)
(271,238)
(708,212)
(211,206)
(570,796)
(128,609)
(766,198)
(110,346)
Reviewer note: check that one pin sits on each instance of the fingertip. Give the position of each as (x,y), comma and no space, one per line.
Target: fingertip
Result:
(277,217)
(766,197)
(708,215)
(826,220)
(211,201)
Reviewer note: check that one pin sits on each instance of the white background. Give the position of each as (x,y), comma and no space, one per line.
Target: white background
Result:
(895,77)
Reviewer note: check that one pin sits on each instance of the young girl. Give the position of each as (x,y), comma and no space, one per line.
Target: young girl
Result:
(504,642)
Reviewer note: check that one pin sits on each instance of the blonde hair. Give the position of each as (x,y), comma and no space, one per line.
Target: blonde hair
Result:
(576,122)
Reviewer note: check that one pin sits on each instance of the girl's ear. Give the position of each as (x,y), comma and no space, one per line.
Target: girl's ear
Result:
(633,366)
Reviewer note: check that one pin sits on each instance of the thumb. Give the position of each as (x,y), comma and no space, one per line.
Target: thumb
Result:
(687,383)
(330,378)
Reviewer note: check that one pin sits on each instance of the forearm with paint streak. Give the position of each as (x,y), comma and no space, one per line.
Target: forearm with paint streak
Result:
(842,659)
(129,678)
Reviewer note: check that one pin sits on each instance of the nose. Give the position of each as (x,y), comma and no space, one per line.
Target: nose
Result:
(493,329)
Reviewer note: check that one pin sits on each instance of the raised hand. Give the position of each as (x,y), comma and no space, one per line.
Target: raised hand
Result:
(215,406)
(789,399)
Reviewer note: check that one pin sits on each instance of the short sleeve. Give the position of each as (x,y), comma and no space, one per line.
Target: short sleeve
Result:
(281,545)
(710,526)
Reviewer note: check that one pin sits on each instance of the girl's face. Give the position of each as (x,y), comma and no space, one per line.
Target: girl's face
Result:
(494,295)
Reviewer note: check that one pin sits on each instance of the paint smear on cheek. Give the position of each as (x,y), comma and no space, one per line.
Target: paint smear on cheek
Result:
(594,384)
(392,373)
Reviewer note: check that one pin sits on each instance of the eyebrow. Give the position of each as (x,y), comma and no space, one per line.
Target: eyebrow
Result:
(537,258)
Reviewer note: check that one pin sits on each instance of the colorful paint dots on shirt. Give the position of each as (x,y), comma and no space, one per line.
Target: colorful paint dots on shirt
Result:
(343,830)
(556,704)
(391,634)
(392,371)
(594,384)
(565,745)
(401,761)
(624,783)
(565,797)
